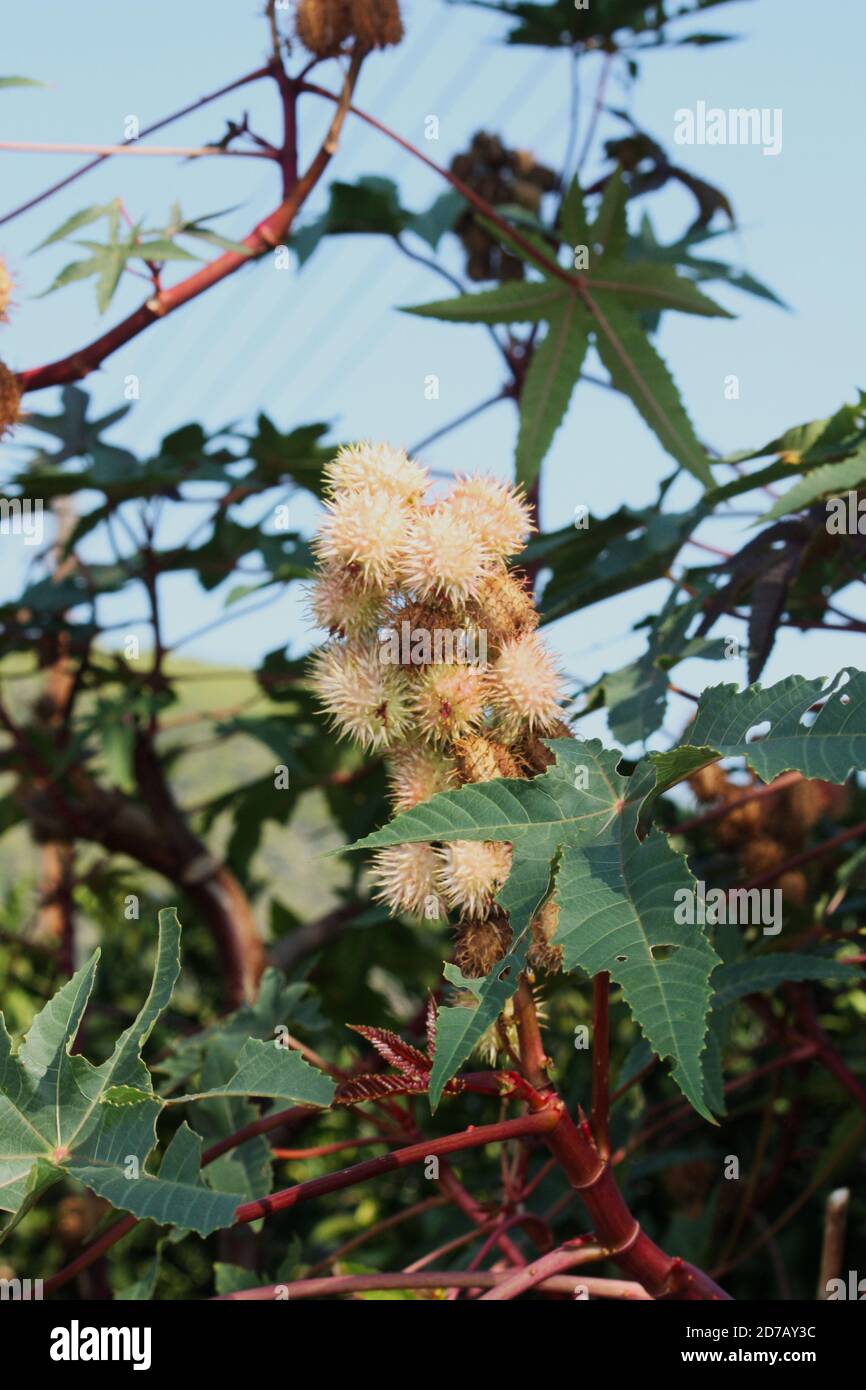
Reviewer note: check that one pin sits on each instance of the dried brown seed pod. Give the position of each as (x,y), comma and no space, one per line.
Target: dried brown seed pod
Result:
(542,955)
(709,783)
(481,759)
(376,23)
(10,400)
(794,886)
(323,25)
(761,855)
(480,944)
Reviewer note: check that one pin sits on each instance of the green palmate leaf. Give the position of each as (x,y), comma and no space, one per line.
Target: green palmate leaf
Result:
(460,1029)
(757,974)
(612,301)
(538,817)
(83,218)
(517,301)
(643,284)
(616,914)
(775,730)
(616,896)
(637,369)
(554,368)
(736,979)
(62,1116)
(830,480)
(268,1069)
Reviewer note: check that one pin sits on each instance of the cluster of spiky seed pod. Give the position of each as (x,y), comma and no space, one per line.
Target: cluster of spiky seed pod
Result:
(10,391)
(397,573)
(323,26)
(767,832)
(499,175)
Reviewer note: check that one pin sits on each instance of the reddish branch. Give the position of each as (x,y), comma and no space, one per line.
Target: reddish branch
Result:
(269,233)
(266,71)
(601,1063)
(662,1275)
(427,1279)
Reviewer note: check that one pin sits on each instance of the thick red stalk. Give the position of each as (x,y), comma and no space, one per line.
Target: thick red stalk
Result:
(662,1275)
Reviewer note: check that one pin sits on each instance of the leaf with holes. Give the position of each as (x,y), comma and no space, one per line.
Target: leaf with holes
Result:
(809,726)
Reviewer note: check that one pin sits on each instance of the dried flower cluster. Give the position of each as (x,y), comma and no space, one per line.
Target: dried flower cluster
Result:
(766,833)
(499,175)
(391,563)
(323,26)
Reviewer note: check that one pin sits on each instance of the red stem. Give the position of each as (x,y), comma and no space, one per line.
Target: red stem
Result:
(148,130)
(599,1117)
(592,1178)
(265,236)
(475,1137)
(426,1279)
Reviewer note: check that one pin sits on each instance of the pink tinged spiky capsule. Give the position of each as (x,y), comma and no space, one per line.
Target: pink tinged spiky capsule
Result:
(449,700)
(338,601)
(404,877)
(417,773)
(526,686)
(365,532)
(366,700)
(472,872)
(444,556)
(499,513)
(376,468)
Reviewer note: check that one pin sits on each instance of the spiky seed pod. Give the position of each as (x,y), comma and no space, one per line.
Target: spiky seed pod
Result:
(340,603)
(405,878)
(376,468)
(419,634)
(376,23)
(417,773)
(323,25)
(804,803)
(366,699)
(526,687)
(5,290)
(534,756)
(504,607)
(709,783)
(444,556)
(501,1038)
(500,514)
(366,531)
(481,759)
(794,886)
(761,855)
(10,400)
(542,955)
(472,872)
(449,700)
(480,944)
(742,823)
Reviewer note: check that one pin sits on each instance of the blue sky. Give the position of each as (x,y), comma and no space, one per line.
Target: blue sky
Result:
(329,344)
